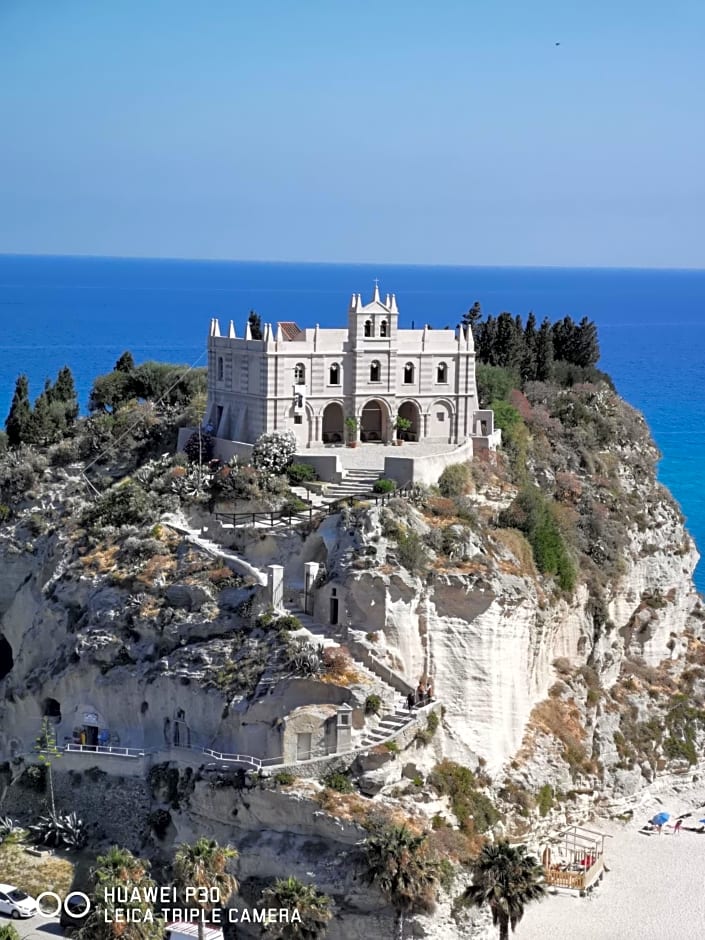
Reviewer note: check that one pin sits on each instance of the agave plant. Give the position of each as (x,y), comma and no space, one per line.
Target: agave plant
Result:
(10,830)
(60,829)
(305,659)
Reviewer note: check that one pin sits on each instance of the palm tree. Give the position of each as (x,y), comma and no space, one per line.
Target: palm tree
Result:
(119,868)
(312,906)
(204,865)
(507,879)
(396,861)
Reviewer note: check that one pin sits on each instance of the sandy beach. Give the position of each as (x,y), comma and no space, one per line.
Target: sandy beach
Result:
(654,889)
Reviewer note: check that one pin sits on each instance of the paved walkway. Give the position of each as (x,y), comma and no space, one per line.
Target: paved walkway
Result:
(371,456)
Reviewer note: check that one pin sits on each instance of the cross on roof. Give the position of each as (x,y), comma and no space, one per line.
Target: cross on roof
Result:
(376,280)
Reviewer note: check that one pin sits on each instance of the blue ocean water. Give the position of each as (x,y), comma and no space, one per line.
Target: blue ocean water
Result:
(83,312)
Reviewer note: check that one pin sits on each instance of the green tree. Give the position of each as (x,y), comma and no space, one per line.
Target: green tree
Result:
(586,348)
(494,383)
(255,322)
(120,869)
(313,909)
(204,864)
(508,343)
(473,316)
(544,352)
(110,391)
(528,356)
(396,861)
(506,879)
(48,752)
(20,414)
(485,336)
(125,363)
(64,393)
(42,428)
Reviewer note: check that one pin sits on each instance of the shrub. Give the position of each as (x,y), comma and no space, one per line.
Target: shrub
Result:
(8,932)
(124,504)
(506,416)
(455,480)
(284,778)
(299,473)
(532,514)
(411,551)
(544,799)
(273,452)
(494,383)
(60,829)
(471,807)
(199,447)
(340,782)
(384,486)
(373,705)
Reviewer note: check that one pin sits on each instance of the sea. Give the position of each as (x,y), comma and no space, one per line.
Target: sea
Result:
(84,312)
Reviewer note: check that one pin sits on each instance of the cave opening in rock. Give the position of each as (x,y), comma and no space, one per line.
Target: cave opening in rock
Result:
(6,658)
(52,709)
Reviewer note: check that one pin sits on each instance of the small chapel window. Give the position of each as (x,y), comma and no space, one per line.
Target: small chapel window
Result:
(375,372)
(383,328)
(334,375)
(409,373)
(368,328)
(442,373)
(299,373)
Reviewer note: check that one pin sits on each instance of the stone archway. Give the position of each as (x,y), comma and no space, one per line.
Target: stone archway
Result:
(332,430)
(411,411)
(374,423)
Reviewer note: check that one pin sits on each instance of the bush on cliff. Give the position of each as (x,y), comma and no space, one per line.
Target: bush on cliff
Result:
(533,515)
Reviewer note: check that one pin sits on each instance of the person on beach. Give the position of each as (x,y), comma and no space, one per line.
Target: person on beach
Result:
(677,827)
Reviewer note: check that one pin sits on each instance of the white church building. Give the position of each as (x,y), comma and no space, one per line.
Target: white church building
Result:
(311,380)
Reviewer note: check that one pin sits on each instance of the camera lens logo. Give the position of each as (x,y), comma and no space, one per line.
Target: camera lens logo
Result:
(75,905)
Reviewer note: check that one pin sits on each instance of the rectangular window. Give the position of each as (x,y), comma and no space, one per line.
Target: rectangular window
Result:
(298,419)
(441,415)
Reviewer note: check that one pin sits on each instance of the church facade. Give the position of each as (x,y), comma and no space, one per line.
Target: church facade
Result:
(311,380)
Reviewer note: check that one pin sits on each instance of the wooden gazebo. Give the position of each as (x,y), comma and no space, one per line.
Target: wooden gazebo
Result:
(576,861)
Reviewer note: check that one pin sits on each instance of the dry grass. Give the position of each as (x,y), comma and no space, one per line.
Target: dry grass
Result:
(102,559)
(159,568)
(33,874)
(515,542)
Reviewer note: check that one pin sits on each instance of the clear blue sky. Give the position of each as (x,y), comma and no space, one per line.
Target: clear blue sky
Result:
(453,131)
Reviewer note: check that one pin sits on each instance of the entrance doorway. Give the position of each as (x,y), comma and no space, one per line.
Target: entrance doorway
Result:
(410,411)
(303,746)
(334,608)
(91,733)
(332,429)
(373,424)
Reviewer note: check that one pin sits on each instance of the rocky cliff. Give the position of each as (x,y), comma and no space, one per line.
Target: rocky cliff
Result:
(546,592)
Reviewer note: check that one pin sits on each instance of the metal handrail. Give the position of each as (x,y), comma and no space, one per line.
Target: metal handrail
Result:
(106,749)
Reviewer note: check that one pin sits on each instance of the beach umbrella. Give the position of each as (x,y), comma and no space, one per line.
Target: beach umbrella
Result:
(660,819)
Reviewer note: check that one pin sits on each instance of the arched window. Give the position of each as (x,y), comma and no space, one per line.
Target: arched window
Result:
(299,373)
(409,373)
(368,328)
(442,372)
(334,374)
(375,372)
(220,368)
(383,328)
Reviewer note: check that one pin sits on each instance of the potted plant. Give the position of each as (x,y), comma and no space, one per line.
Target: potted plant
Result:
(351,428)
(402,426)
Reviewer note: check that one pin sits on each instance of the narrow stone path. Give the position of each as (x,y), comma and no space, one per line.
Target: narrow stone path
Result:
(179,524)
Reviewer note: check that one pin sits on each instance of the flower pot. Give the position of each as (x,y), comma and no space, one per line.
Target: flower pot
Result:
(352,443)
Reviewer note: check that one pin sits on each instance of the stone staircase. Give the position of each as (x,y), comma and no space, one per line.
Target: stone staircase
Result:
(388,726)
(356,482)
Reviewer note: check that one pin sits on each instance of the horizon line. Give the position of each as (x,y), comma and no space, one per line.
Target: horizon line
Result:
(396,264)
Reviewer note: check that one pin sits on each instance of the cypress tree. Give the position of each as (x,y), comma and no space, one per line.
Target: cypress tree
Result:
(508,343)
(20,413)
(64,392)
(42,426)
(473,316)
(125,363)
(255,322)
(485,340)
(544,352)
(564,336)
(528,359)
(586,351)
